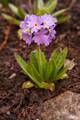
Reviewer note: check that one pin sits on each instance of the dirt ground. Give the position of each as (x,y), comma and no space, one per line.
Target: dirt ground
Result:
(19,104)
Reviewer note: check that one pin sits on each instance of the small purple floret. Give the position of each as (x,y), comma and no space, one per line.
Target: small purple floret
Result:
(48,21)
(38,29)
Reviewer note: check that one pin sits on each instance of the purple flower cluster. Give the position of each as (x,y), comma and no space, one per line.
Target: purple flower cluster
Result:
(38,29)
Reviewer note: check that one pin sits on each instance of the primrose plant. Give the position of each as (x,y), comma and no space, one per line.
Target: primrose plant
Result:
(37,7)
(43,73)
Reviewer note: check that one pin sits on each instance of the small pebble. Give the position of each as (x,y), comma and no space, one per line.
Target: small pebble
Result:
(12,76)
(8,113)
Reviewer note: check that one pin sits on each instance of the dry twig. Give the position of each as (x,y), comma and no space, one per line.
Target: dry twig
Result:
(6,33)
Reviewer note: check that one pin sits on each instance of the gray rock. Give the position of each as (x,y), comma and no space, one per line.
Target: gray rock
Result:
(63,107)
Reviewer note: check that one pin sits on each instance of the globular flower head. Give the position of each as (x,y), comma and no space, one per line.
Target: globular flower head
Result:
(38,29)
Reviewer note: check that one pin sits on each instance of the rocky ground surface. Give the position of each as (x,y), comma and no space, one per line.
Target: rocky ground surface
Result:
(63,107)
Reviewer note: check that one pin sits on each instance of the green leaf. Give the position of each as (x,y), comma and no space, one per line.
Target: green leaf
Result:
(17,11)
(12,20)
(51,68)
(40,7)
(62,57)
(27,85)
(58,13)
(47,8)
(54,71)
(33,59)
(63,19)
(4,2)
(42,63)
(53,60)
(61,74)
(51,5)
(40,12)
(21,13)
(13,8)
(57,62)
(59,57)
(40,4)
(27,68)
(50,86)
(36,74)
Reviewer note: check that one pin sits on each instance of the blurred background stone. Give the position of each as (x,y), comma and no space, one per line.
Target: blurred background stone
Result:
(63,107)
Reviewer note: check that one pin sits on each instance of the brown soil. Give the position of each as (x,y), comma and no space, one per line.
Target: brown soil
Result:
(19,104)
